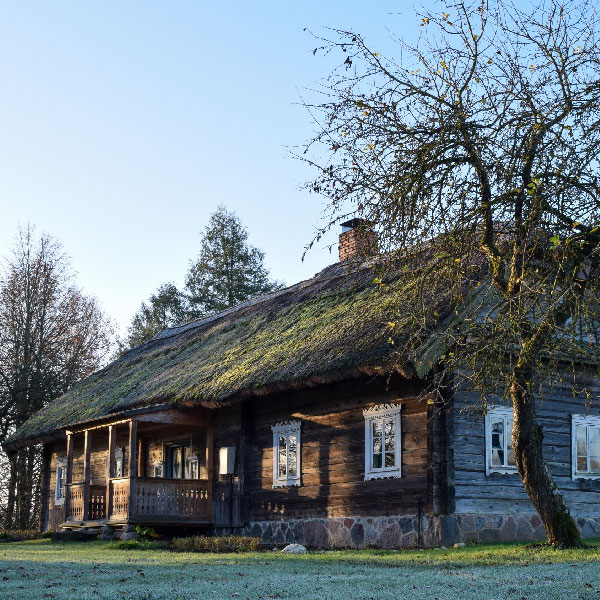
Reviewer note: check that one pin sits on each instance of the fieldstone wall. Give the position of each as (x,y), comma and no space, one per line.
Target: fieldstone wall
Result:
(405,530)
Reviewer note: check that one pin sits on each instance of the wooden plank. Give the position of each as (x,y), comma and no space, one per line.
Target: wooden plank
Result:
(45,487)
(112,442)
(87,449)
(132,465)
(69,477)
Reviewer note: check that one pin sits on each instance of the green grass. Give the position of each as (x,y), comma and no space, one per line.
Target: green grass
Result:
(42,569)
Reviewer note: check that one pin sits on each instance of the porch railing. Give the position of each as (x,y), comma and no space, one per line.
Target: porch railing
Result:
(75,491)
(119,489)
(165,499)
(97,502)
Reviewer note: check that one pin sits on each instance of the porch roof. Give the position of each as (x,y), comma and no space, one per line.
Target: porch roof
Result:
(331,327)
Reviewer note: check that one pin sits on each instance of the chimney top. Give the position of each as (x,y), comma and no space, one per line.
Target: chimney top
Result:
(354,224)
(357,239)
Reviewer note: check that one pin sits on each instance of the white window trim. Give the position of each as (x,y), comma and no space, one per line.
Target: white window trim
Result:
(370,415)
(286,428)
(497,411)
(579,420)
(61,462)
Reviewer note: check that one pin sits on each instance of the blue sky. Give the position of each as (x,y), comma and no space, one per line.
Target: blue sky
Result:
(124,124)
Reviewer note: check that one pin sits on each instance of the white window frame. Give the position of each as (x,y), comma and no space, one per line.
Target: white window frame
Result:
(380,413)
(61,463)
(578,421)
(287,429)
(493,413)
(157,470)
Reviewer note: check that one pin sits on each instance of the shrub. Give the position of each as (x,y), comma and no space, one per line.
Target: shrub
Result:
(19,535)
(137,545)
(202,543)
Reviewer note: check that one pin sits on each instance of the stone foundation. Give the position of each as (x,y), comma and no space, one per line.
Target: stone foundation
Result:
(405,530)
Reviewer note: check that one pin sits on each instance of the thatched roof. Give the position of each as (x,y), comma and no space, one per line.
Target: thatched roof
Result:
(327,328)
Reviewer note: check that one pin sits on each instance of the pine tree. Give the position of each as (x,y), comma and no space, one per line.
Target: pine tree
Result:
(165,308)
(228,270)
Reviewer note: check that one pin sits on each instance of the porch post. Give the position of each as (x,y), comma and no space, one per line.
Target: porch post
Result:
(209,469)
(69,476)
(87,450)
(132,465)
(45,487)
(109,469)
(141,459)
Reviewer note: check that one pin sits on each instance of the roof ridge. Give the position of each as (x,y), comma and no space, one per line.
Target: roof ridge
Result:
(201,321)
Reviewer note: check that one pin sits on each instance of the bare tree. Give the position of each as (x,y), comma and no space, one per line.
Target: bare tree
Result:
(475,153)
(51,336)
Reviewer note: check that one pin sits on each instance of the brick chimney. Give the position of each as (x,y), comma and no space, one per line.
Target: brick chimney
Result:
(357,239)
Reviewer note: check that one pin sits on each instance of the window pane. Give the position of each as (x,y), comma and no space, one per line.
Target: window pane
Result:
(282,442)
(389,444)
(292,461)
(389,427)
(594,441)
(581,442)
(497,443)
(510,455)
(377,461)
(282,462)
(376,445)
(390,460)
(377,428)
(292,441)
(582,464)
(594,464)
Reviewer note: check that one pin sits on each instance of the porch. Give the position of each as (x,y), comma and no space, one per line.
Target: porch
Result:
(177,490)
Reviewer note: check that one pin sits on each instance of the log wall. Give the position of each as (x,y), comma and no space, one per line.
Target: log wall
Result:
(474,492)
(333,454)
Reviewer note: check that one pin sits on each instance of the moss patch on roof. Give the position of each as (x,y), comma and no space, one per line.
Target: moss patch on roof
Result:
(330,326)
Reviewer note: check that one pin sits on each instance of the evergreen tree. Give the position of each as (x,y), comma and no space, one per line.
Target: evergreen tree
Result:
(228,270)
(165,308)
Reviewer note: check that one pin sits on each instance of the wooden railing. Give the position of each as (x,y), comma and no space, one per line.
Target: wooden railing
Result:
(119,489)
(75,491)
(97,509)
(172,499)
(97,502)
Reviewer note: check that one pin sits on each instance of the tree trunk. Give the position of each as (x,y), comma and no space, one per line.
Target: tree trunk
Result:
(541,489)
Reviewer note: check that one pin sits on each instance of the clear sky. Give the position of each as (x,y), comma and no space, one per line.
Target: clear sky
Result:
(125,123)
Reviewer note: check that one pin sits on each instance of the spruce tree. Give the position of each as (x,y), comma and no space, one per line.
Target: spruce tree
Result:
(228,270)
(165,308)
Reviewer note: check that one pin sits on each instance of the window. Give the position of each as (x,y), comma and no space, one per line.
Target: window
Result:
(192,470)
(585,443)
(179,461)
(498,441)
(119,462)
(382,441)
(61,480)
(287,453)
(157,469)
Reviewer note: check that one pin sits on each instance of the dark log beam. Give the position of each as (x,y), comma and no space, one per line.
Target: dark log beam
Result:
(87,450)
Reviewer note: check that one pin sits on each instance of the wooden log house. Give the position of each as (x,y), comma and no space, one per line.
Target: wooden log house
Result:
(288,417)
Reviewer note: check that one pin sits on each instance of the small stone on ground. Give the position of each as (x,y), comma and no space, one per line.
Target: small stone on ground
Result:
(294,549)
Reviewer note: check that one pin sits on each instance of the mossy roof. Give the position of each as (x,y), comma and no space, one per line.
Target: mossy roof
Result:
(327,328)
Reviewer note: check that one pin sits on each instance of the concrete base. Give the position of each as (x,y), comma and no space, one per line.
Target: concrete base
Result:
(406,530)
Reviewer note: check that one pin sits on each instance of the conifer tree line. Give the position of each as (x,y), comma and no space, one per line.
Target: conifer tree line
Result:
(227,271)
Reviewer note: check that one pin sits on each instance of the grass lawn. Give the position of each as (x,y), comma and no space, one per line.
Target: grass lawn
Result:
(44,570)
